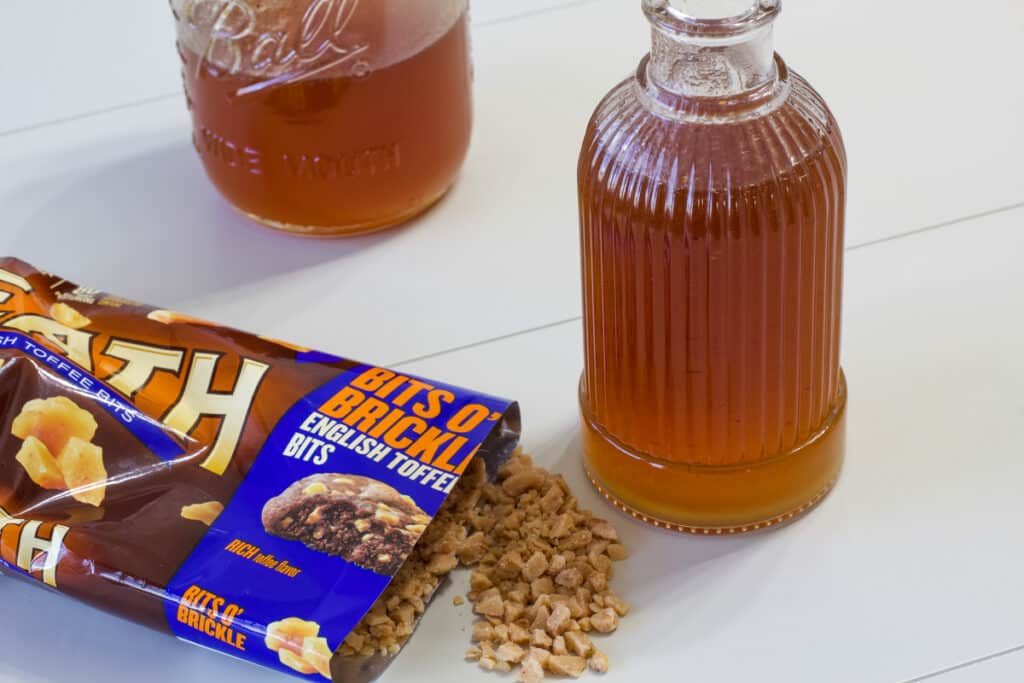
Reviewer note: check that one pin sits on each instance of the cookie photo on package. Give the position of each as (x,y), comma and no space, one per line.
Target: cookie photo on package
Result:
(240,493)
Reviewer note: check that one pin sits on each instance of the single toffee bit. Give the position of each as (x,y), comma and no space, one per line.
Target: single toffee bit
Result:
(361,520)
(539,580)
(207,513)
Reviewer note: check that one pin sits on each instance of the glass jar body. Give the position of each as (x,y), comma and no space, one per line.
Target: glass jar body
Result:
(712,397)
(328,117)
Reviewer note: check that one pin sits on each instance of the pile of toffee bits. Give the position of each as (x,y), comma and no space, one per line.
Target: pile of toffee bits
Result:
(539,580)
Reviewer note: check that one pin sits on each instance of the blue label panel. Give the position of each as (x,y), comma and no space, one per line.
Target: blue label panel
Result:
(412,435)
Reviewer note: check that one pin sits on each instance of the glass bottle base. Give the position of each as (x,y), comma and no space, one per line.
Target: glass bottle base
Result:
(717,500)
(347,230)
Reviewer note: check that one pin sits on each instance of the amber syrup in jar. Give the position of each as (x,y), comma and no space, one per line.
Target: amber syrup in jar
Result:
(328,117)
(712,198)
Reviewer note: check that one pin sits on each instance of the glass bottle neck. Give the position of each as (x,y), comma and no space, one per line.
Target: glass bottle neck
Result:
(694,67)
(706,65)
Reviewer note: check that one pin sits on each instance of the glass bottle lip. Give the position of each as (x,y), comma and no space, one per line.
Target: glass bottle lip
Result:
(669,18)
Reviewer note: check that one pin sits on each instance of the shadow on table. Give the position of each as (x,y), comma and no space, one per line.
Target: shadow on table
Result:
(82,644)
(155,221)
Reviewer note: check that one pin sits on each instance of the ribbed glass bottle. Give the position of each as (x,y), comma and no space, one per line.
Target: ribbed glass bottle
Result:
(712,199)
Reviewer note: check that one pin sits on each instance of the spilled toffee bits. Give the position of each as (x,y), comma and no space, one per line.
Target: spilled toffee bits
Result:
(539,581)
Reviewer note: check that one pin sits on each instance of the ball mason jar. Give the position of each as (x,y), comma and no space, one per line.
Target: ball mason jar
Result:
(328,117)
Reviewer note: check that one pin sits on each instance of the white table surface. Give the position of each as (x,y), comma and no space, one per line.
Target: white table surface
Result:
(910,571)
